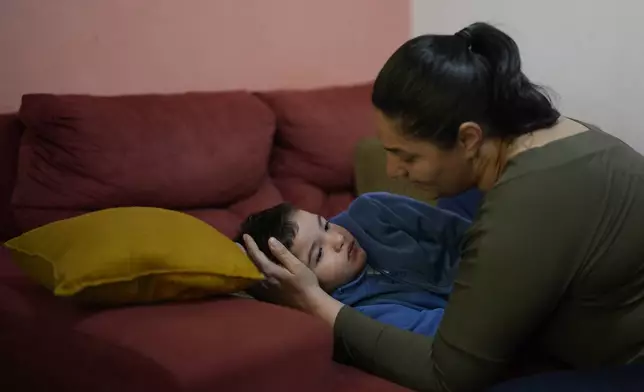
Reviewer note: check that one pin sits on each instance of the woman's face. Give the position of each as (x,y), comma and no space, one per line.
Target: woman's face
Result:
(443,172)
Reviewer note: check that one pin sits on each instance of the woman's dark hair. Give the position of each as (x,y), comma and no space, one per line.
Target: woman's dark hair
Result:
(434,83)
(274,222)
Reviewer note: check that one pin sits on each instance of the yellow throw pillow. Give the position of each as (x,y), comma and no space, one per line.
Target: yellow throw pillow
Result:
(133,255)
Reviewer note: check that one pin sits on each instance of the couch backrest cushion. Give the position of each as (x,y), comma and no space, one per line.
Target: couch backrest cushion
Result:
(10,134)
(226,219)
(186,151)
(317,134)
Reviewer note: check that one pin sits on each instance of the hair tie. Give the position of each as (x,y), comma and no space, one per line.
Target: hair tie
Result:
(465,35)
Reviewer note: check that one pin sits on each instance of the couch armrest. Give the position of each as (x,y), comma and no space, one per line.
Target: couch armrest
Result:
(370,173)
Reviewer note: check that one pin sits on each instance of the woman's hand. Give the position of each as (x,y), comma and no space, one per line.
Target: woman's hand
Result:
(292,284)
(288,284)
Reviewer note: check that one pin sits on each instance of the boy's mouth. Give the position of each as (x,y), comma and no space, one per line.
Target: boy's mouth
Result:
(352,246)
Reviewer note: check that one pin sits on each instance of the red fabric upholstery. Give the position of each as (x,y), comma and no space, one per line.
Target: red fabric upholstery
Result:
(311,198)
(226,220)
(317,134)
(189,151)
(224,344)
(176,151)
(10,134)
(206,154)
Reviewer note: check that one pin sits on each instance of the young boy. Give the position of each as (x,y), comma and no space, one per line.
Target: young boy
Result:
(391,257)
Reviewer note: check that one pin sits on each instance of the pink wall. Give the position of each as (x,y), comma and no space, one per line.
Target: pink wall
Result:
(132,46)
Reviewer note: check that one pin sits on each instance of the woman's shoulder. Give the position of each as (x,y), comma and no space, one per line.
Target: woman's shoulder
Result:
(569,188)
(590,157)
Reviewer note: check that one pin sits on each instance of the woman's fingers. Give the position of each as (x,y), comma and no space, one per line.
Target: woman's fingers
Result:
(241,247)
(282,254)
(269,268)
(293,279)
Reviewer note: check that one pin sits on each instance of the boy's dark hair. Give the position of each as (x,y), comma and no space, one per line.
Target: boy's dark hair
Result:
(434,83)
(274,222)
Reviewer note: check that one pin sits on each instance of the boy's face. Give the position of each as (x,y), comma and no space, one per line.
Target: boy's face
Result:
(328,250)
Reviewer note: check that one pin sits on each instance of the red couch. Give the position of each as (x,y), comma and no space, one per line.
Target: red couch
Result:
(218,156)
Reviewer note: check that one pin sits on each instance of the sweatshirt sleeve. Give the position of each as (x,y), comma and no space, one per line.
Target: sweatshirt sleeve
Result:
(466,204)
(416,218)
(517,261)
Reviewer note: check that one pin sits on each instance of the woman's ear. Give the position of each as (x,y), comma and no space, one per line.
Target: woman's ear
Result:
(470,138)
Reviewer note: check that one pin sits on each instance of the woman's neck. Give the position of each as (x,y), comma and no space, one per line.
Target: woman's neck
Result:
(495,154)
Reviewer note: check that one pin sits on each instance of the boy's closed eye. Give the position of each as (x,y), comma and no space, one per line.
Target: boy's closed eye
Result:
(316,251)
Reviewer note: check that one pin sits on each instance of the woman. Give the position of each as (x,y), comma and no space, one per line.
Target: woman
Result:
(552,271)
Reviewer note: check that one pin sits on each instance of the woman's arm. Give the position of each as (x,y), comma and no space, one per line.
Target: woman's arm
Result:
(518,261)
(423,322)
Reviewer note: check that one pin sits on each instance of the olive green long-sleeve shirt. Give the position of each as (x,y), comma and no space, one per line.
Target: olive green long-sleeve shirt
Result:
(552,271)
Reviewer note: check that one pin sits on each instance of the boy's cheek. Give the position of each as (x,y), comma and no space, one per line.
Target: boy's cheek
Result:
(318,274)
(323,279)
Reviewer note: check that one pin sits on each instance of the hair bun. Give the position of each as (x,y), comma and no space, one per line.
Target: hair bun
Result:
(465,34)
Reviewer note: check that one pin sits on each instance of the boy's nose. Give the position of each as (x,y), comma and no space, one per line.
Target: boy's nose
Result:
(337,240)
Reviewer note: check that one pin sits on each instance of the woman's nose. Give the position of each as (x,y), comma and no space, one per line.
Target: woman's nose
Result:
(394,168)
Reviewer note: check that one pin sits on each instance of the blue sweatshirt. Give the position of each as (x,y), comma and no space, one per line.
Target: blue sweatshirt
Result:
(412,253)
